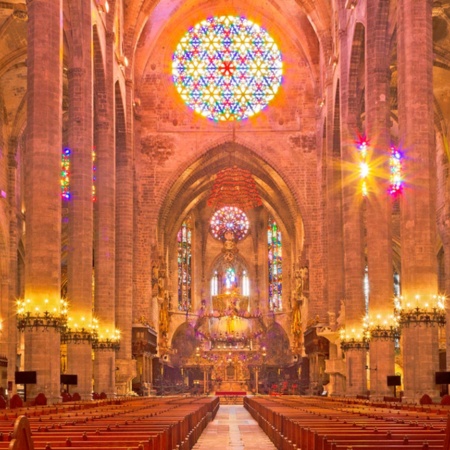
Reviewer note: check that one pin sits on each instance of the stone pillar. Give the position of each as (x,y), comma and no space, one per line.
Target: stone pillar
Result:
(381,364)
(124,228)
(104,242)
(378,202)
(105,208)
(353,254)
(418,221)
(10,326)
(79,355)
(43,189)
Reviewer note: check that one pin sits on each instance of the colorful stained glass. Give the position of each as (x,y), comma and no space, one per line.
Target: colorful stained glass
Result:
(65,174)
(396,179)
(184,239)
(227,68)
(363,145)
(94,176)
(275,265)
(230,278)
(231,221)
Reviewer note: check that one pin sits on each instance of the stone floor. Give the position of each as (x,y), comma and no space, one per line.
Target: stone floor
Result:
(233,429)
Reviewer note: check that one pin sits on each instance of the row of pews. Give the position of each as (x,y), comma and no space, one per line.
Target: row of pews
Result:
(130,424)
(315,423)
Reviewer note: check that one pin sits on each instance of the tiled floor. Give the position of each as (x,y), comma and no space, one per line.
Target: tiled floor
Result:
(233,429)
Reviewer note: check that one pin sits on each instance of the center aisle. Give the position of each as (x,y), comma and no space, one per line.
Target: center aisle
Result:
(233,428)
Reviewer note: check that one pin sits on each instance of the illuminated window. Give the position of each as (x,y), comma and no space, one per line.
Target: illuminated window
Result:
(65,174)
(230,278)
(275,265)
(227,68)
(184,265)
(214,284)
(229,219)
(94,175)
(245,284)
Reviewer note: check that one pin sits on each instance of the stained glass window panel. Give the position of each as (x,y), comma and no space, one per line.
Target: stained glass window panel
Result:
(229,219)
(184,239)
(275,265)
(227,68)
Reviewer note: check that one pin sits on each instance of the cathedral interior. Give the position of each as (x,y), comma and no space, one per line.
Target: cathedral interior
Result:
(202,196)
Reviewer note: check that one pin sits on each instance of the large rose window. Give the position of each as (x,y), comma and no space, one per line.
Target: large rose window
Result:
(229,223)
(227,68)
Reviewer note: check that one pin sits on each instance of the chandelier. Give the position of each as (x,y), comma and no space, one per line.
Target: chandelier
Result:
(234,187)
(354,339)
(428,311)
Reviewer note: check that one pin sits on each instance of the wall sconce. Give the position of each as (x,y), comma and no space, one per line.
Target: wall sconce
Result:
(103,6)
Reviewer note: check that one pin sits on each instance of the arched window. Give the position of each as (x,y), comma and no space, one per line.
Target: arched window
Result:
(275,265)
(245,284)
(214,284)
(184,265)
(230,278)
(65,174)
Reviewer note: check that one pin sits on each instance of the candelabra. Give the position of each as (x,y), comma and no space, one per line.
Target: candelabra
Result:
(354,341)
(106,344)
(383,328)
(78,336)
(30,315)
(109,342)
(43,320)
(73,333)
(427,313)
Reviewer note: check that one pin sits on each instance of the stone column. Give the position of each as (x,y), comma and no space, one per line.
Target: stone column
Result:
(104,243)
(42,186)
(10,326)
(79,357)
(418,221)
(105,209)
(125,228)
(378,202)
(353,234)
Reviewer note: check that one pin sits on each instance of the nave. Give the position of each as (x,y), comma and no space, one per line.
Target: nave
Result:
(233,428)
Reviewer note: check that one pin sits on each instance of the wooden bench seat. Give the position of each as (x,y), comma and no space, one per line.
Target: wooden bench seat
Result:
(312,424)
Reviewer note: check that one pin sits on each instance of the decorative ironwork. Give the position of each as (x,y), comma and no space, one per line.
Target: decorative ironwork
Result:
(418,315)
(356,340)
(43,320)
(382,327)
(106,344)
(429,313)
(355,344)
(78,336)
(390,333)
